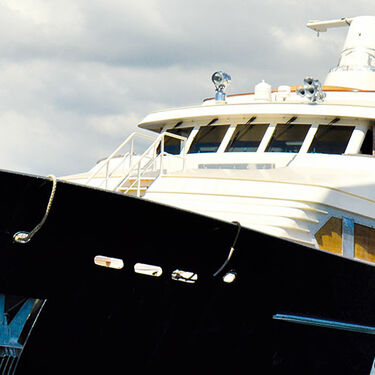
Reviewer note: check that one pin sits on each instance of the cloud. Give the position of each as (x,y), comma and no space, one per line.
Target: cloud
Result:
(76,76)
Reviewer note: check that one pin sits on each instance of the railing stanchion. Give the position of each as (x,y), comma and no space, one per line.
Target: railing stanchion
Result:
(150,161)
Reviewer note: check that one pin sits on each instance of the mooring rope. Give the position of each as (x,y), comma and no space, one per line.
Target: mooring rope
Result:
(23,236)
(231,249)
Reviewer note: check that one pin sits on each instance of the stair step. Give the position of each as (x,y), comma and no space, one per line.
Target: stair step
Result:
(133,192)
(130,187)
(144,183)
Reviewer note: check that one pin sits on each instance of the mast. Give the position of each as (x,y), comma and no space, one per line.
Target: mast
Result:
(356,66)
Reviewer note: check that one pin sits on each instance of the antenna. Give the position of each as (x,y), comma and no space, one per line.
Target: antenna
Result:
(356,65)
(323,26)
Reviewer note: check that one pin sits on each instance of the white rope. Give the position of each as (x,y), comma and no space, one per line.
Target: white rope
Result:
(231,249)
(23,236)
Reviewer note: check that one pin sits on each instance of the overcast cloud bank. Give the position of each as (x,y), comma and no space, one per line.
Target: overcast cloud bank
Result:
(76,76)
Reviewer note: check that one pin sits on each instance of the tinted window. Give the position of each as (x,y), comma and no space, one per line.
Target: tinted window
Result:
(208,139)
(287,138)
(246,138)
(173,145)
(331,139)
(366,147)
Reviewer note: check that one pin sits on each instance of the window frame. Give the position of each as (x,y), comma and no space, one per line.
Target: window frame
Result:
(272,123)
(348,143)
(227,125)
(253,124)
(276,124)
(171,130)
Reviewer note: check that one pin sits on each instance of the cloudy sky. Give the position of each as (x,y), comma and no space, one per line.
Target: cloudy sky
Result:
(76,76)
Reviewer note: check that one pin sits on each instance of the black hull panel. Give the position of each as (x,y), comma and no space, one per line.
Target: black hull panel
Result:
(290,310)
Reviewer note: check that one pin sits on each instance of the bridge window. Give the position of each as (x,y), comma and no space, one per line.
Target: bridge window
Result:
(367,144)
(208,139)
(246,138)
(174,145)
(331,139)
(287,138)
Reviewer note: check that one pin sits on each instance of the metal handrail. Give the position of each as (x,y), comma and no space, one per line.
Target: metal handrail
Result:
(141,166)
(140,175)
(129,155)
(151,163)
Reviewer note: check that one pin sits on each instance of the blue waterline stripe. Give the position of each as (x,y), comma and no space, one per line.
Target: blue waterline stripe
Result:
(325,323)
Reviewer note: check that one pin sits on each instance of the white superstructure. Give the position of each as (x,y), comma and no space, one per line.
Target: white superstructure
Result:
(356,65)
(295,162)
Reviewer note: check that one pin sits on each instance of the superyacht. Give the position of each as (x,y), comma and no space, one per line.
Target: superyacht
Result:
(242,237)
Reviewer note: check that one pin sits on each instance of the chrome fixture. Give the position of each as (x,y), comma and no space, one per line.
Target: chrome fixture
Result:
(312,90)
(221,81)
(229,277)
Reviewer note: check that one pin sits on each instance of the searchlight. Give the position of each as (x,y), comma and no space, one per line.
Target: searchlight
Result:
(311,90)
(221,81)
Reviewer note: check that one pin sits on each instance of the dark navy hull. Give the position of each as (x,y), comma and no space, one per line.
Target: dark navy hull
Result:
(101,320)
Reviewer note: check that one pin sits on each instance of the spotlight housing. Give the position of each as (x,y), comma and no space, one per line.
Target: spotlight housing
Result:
(311,90)
(221,81)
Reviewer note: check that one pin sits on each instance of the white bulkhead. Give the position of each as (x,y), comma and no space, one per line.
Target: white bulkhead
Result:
(295,162)
(356,66)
